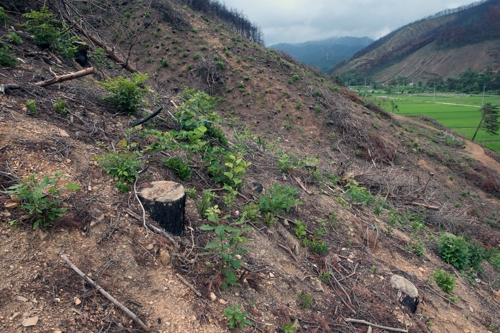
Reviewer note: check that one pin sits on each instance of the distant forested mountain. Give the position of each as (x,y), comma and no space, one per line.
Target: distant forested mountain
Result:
(440,46)
(326,53)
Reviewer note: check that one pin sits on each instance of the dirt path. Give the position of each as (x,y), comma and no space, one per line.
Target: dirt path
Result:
(472,149)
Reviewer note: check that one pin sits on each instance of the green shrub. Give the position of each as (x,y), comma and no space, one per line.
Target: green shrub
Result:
(127,95)
(164,63)
(31,105)
(251,210)
(14,38)
(181,169)
(237,318)
(205,203)
(124,166)
(454,251)
(290,327)
(304,299)
(43,206)
(444,280)
(43,27)
(279,199)
(3,16)
(7,59)
(494,259)
(300,229)
(316,246)
(60,106)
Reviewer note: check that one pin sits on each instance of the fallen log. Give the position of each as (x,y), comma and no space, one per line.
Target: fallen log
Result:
(105,294)
(364,322)
(66,77)
(425,206)
(142,121)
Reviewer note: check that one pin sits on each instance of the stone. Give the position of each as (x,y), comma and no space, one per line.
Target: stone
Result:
(30,321)
(149,247)
(63,133)
(21,298)
(221,301)
(407,292)
(164,257)
(271,275)
(213,298)
(77,301)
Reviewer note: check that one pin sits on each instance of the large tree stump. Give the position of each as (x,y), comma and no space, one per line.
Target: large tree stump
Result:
(165,201)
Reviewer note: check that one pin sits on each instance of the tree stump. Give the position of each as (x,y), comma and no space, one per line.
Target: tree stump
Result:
(165,202)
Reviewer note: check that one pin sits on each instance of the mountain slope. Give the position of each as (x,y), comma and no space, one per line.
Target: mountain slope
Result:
(335,195)
(326,53)
(442,46)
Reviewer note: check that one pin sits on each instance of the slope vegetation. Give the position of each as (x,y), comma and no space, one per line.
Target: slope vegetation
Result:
(329,198)
(442,46)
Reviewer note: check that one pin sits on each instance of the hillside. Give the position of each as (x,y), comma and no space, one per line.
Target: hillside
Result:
(326,53)
(441,46)
(303,201)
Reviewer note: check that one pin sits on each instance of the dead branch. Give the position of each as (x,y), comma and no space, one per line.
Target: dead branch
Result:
(364,322)
(302,185)
(109,51)
(5,87)
(189,285)
(105,294)
(425,206)
(66,77)
(142,121)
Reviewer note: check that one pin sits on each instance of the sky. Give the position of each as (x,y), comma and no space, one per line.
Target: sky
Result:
(297,21)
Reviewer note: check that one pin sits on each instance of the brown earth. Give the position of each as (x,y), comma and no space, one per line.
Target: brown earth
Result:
(393,158)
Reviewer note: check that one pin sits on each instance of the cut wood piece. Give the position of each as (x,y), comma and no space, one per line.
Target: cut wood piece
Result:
(66,77)
(165,201)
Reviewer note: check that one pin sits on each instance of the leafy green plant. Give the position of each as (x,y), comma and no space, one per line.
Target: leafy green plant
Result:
(127,95)
(60,106)
(227,245)
(237,318)
(325,276)
(285,164)
(31,105)
(358,194)
(316,246)
(300,229)
(304,299)
(7,59)
(251,210)
(279,199)
(454,251)
(123,166)
(14,38)
(206,201)
(42,204)
(444,280)
(43,27)
(290,327)
(3,16)
(181,169)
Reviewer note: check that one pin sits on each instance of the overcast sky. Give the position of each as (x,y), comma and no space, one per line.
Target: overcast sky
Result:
(296,21)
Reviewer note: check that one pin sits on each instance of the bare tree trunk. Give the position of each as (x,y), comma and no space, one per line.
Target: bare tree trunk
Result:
(66,77)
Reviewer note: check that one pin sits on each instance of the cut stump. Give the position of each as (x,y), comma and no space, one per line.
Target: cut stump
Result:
(165,202)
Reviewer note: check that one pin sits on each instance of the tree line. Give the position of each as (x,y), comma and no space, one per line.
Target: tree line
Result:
(231,17)
(469,82)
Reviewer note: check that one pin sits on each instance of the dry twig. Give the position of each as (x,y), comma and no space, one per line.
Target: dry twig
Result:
(364,322)
(105,294)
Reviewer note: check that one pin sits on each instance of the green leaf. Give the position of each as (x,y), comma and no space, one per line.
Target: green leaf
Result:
(212,245)
(229,175)
(72,187)
(207,227)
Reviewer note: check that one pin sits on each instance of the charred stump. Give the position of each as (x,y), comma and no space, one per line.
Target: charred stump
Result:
(407,292)
(165,202)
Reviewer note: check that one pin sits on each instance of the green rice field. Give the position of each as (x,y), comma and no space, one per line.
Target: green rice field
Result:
(460,113)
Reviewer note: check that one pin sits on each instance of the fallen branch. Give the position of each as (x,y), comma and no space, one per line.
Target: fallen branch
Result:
(142,121)
(189,285)
(66,77)
(425,206)
(289,251)
(301,185)
(109,51)
(105,294)
(364,322)
(5,87)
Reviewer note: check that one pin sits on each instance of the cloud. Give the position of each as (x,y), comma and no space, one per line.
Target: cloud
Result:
(295,21)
